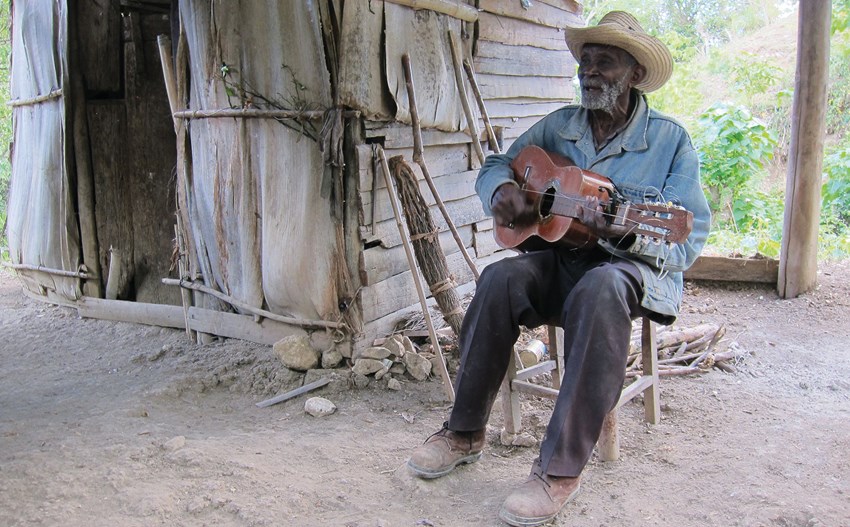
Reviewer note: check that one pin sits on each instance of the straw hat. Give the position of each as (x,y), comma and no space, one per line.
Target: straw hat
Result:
(622,30)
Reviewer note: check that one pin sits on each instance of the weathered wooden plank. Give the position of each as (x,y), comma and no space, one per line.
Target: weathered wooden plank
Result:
(380,263)
(513,128)
(440,159)
(538,12)
(462,212)
(150,129)
(113,207)
(399,291)
(483,225)
(386,324)
(136,312)
(761,270)
(522,107)
(506,87)
(397,135)
(496,28)
(451,187)
(502,59)
(100,44)
(485,244)
(237,326)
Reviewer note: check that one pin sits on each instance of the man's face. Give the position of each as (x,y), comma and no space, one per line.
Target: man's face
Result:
(604,73)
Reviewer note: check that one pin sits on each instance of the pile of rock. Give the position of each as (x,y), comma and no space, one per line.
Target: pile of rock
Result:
(396,356)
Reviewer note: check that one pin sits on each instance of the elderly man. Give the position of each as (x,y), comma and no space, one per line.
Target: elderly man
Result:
(592,293)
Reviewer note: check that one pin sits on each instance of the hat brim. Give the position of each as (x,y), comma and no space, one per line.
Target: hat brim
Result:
(646,49)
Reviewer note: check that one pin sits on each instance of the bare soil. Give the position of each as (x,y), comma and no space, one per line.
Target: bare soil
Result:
(106,423)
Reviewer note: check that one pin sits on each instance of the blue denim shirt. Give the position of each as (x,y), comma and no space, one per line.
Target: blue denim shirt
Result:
(652,159)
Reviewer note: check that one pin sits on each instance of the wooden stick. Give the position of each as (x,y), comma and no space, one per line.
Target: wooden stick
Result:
(58,272)
(294,393)
(447,7)
(444,372)
(471,121)
(165,58)
(420,160)
(251,309)
(256,113)
(54,94)
(470,74)
(687,370)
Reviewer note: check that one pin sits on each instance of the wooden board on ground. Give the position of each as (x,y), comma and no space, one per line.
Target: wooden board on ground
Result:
(238,326)
(136,312)
(719,268)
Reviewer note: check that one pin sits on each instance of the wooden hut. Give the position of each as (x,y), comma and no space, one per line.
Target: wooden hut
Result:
(248,169)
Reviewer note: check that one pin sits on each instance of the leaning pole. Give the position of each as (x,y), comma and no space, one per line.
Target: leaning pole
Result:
(798,259)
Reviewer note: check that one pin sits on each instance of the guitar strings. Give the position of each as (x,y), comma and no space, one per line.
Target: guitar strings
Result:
(570,197)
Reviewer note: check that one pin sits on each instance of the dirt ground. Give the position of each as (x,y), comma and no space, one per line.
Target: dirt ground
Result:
(106,423)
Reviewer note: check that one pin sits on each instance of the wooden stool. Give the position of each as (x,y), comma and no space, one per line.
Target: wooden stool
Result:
(517,382)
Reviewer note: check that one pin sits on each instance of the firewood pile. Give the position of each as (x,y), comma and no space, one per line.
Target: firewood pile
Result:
(686,350)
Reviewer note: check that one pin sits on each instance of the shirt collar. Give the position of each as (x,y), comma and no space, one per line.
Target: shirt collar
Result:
(633,137)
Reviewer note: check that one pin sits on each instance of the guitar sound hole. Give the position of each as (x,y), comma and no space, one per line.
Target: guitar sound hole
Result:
(546,202)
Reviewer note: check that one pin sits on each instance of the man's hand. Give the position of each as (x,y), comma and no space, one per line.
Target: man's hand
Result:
(591,215)
(511,206)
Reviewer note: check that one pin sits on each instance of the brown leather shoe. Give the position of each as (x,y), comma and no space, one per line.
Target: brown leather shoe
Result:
(445,450)
(539,499)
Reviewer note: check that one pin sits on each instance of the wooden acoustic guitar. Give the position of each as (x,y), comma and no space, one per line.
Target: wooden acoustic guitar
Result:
(559,189)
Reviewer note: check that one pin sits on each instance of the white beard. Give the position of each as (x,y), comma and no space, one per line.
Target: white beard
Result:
(605,100)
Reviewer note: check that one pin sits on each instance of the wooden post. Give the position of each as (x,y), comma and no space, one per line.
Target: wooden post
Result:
(82,159)
(798,257)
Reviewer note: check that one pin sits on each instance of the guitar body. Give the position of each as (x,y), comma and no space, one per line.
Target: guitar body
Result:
(548,176)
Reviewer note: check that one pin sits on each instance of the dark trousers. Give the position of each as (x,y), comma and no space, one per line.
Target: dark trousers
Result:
(594,297)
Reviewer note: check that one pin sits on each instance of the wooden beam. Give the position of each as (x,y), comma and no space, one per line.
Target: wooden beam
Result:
(136,312)
(798,257)
(719,268)
(242,327)
(452,8)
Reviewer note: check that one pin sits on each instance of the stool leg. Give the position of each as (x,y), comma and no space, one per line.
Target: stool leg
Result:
(510,400)
(556,353)
(609,440)
(652,395)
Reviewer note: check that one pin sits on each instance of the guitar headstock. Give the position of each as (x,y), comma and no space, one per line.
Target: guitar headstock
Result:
(658,222)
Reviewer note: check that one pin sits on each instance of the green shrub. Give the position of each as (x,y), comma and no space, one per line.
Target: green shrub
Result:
(734,147)
(835,193)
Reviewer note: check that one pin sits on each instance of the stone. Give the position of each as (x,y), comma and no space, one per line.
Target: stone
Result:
(296,353)
(367,366)
(521,440)
(395,344)
(331,358)
(393,384)
(409,347)
(361,381)
(417,366)
(319,407)
(397,368)
(375,352)
(175,443)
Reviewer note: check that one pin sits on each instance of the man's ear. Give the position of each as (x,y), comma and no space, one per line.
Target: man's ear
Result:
(638,74)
